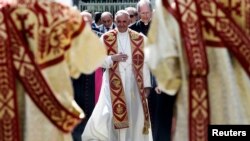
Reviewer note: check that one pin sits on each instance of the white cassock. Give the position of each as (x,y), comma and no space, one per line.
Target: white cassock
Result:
(100,126)
(228,84)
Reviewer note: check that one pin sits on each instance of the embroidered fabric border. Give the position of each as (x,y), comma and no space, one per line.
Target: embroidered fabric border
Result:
(115,80)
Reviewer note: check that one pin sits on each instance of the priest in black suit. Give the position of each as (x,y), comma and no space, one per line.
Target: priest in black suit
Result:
(143,24)
(160,104)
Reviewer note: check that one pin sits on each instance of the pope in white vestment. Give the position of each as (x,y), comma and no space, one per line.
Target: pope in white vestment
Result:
(228,83)
(100,126)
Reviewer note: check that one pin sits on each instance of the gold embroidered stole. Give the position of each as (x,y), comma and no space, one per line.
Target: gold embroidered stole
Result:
(195,50)
(233,34)
(9,119)
(120,115)
(17,61)
(225,32)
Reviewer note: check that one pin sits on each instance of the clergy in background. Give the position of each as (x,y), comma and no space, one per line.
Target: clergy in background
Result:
(107,22)
(121,113)
(160,104)
(133,14)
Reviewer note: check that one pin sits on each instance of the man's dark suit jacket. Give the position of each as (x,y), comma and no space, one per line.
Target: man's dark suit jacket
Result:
(102,28)
(160,106)
(139,26)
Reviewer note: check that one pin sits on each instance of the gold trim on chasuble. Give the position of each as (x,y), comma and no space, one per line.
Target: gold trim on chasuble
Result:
(194,47)
(9,117)
(238,10)
(220,27)
(232,30)
(120,115)
(17,61)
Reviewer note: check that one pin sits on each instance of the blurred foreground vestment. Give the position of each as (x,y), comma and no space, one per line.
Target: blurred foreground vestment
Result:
(42,44)
(199,51)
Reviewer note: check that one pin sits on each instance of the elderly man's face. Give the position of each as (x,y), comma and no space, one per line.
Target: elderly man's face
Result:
(107,21)
(88,19)
(133,16)
(122,22)
(145,13)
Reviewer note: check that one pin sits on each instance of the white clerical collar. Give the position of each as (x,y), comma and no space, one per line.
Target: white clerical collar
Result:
(146,23)
(111,27)
(123,34)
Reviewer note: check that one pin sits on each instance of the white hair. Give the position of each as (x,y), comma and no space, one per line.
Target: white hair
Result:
(142,2)
(121,12)
(65,2)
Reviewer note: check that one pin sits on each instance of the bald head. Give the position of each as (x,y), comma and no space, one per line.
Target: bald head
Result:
(87,17)
(107,19)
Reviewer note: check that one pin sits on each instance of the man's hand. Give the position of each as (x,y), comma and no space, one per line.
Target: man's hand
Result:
(120,57)
(147,91)
(157,90)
